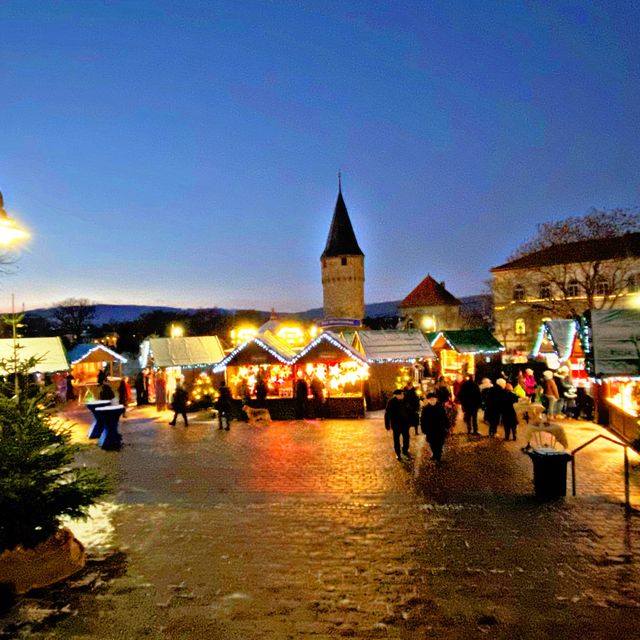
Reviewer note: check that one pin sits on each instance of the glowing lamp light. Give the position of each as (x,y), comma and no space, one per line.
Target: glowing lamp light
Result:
(291,334)
(176,331)
(429,323)
(10,232)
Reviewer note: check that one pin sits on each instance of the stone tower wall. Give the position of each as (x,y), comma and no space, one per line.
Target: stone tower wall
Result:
(343,287)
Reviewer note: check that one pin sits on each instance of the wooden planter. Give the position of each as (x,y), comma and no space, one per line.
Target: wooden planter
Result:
(51,561)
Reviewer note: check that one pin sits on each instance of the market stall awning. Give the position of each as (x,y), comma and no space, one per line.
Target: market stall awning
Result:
(393,345)
(189,351)
(615,341)
(49,351)
(328,347)
(91,352)
(465,341)
(262,349)
(560,334)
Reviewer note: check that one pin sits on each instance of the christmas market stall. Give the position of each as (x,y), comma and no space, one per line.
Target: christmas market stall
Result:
(559,342)
(341,370)
(87,361)
(613,361)
(394,357)
(466,351)
(261,366)
(164,361)
(49,353)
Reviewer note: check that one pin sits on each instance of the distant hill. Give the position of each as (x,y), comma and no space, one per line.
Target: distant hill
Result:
(107,313)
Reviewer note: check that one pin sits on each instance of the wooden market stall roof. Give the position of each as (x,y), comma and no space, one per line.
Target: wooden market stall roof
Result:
(465,341)
(91,352)
(561,336)
(615,340)
(393,345)
(186,351)
(327,347)
(262,349)
(49,351)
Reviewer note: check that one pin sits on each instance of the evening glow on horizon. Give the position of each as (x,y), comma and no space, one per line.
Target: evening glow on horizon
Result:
(186,153)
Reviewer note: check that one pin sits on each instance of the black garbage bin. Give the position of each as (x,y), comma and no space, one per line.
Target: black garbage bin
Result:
(549,473)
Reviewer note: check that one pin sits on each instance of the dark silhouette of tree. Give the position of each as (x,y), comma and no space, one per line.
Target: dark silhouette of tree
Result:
(73,318)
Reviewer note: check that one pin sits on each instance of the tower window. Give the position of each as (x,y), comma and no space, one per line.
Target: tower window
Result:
(343,261)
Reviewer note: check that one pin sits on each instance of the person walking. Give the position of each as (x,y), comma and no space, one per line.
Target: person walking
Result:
(435,425)
(261,390)
(442,390)
(396,419)
(551,397)
(413,405)
(507,399)
(470,401)
(106,392)
(124,394)
(160,386)
(179,404)
(492,407)
(301,393)
(223,406)
(70,392)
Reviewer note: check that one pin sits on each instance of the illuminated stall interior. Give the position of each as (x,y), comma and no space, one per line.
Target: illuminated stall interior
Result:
(613,361)
(342,371)
(461,351)
(559,342)
(87,360)
(189,358)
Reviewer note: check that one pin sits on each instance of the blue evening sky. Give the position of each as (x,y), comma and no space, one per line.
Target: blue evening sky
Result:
(186,153)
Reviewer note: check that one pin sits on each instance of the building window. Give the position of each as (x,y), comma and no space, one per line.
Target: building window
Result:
(545,290)
(602,287)
(518,292)
(573,289)
(633,283)
(521,327)
(343,262)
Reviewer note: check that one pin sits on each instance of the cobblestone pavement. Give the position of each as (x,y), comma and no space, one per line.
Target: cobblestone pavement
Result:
(313,529)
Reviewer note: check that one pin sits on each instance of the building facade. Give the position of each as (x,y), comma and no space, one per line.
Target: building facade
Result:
(430,307)
(342,265)
(563,281)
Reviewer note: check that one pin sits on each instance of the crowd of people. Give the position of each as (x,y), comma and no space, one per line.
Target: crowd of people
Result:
(555,394)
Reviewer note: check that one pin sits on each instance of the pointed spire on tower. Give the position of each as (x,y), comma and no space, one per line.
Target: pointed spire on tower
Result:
(339,181)
(342,239)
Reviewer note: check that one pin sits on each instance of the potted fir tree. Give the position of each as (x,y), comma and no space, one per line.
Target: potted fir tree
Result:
(39,485)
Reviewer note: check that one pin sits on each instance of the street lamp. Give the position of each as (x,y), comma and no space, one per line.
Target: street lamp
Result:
(10,232)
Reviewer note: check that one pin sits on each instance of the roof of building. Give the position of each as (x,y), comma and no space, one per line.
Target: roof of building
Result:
(92,352)
(49,351)
(616,343)
(392,345)
(341,240)
(429,293)
(327,346)
(186,351)
(626,246)
(262,349)
(560,333)
(468,340)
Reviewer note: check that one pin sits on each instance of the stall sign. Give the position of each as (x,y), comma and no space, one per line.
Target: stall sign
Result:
(339,322)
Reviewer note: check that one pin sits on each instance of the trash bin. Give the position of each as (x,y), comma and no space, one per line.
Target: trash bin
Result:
(549,472)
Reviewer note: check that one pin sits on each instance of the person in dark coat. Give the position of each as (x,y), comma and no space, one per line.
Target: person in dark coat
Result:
(470,401)
(301,393)
(507,399)
(435,425)
(70,393)
(102,375)
(396,418)
(223,406)
(261,391)
(106,392)
(413,405)
(317,397)
(492,406)
(179,404)
(139,387)
(442,390)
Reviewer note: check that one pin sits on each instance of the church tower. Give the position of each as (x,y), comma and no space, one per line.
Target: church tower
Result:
(342,268)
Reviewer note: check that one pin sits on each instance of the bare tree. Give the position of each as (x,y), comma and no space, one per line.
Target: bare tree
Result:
(73,317)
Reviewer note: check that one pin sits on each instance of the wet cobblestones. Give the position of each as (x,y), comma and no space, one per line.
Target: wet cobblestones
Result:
(315,530)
